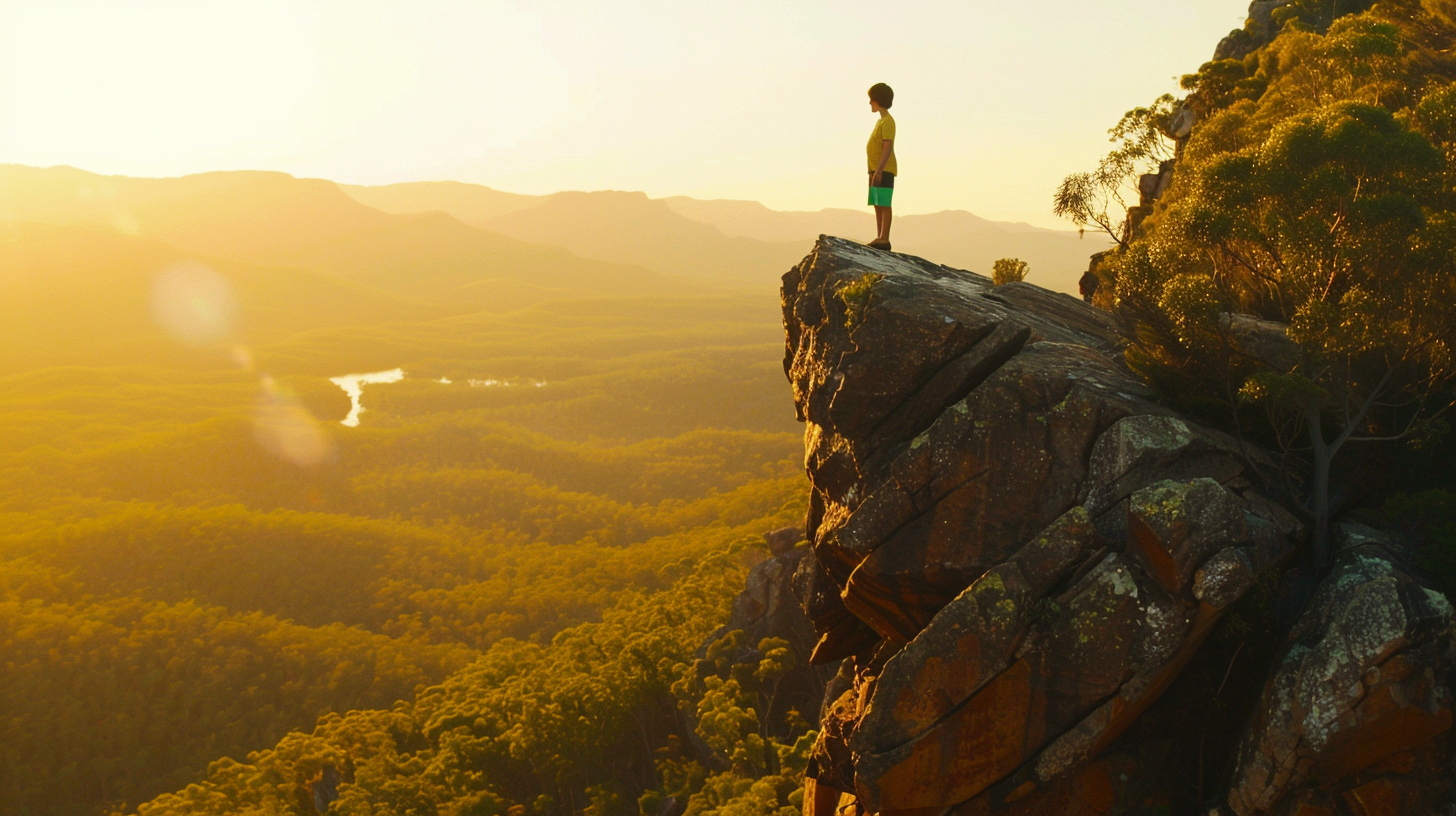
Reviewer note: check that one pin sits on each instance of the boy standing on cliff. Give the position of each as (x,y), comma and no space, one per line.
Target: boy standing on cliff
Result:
(881,150)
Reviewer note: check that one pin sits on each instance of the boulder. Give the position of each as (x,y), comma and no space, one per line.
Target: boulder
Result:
(1259,30)
(1151,186)
(1261,18)
(767,606)
(1264,341)
(1357,714)
(1015,550)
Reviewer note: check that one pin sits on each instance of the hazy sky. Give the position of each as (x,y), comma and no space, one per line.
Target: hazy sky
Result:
(996,101)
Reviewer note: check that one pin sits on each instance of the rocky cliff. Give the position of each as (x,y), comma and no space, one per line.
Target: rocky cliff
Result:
(1017,551)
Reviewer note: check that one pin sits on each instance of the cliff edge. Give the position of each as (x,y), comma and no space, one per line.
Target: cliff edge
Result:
(1016,551)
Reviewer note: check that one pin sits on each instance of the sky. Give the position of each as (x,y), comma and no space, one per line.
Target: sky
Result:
(995,102)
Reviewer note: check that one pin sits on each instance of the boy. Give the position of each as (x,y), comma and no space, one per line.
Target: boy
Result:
(881,150)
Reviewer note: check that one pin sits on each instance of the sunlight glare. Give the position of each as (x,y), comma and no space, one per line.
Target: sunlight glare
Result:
(243,356)
(286,429)
(194,304)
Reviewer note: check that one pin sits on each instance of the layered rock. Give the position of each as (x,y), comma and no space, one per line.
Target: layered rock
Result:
(1014,547)
(1356,717)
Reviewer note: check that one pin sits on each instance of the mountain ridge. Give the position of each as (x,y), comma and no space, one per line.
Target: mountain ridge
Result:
(778,238)
(275,219)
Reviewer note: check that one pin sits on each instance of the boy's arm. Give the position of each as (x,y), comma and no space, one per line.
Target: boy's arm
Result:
(886,150)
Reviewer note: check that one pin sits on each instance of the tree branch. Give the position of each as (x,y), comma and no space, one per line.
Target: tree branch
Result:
(1364,410)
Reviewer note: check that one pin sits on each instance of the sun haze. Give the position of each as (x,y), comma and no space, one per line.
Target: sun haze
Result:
(757,100)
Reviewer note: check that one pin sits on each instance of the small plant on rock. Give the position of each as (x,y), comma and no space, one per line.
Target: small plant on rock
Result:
(856,296)
(1009,270)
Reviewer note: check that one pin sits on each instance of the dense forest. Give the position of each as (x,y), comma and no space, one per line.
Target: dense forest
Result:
(1307,180)
(489,593)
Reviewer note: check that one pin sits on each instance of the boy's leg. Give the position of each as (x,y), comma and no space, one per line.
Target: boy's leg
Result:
(882,223)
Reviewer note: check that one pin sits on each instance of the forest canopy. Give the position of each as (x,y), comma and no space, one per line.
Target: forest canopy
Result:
(209,586)
(1296,280)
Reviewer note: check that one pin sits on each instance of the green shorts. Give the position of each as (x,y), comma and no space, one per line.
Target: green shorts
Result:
(880,196)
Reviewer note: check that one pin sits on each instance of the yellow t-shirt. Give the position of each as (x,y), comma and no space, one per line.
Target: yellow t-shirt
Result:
(884,129)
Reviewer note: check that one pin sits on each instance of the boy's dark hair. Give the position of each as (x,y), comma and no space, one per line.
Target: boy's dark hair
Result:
(882,95)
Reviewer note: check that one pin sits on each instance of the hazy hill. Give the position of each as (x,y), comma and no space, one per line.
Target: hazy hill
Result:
(471,203)
(81,295)
(751,219)
(953,237)
(746,241)
(436,256)
(632,228)
(278,219)
(233,214)
(618,227)
(965,241)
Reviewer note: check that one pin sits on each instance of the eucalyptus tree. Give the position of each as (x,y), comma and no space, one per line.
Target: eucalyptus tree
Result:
(1333,217)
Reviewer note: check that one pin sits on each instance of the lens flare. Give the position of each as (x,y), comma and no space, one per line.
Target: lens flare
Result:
(286,429)
(194,304)
(243,357)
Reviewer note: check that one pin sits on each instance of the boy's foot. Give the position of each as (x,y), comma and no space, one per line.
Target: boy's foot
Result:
(879,243)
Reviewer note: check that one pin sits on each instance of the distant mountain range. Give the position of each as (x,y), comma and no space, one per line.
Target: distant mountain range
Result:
(953,237)
(277,220)
(748,242)
(80,252)
(404,251)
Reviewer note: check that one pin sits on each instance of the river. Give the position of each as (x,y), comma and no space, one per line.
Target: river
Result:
(353,385)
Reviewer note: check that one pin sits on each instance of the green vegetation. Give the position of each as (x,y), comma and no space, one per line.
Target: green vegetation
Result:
(1318,190)
(1009,270)
(856,296)
(589,722)
(1099,199)
(488,595)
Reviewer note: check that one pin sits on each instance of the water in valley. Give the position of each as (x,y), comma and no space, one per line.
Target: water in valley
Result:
(353,385)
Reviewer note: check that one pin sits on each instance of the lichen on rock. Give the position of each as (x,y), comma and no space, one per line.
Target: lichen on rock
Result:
(969,449)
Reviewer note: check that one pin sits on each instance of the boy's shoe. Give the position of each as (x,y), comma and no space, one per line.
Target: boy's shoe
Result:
(878,244)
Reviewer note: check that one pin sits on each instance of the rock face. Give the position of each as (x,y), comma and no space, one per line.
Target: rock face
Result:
(767,607)
(1261,27)
(1015,551)
(1258,31)
(1350,721)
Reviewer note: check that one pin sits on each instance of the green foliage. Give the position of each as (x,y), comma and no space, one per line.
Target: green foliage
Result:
(109,700)
(856,295)
(475,603)
(1290,392)
(232,625)
(573,725)
(172,594)
(778,659)
(1316,15)
(765,759)
(1009,270)
(1220,83)
(1099,199)
(1318,191)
